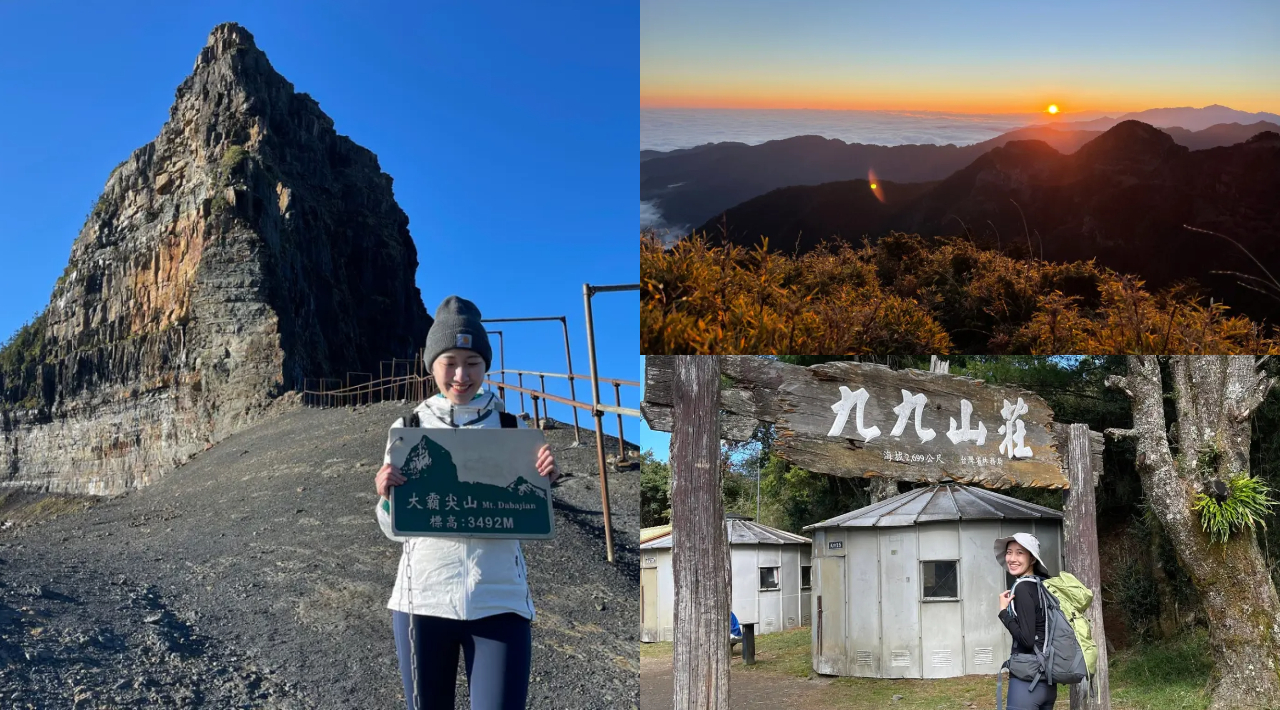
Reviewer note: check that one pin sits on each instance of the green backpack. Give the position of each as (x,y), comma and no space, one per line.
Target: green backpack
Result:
(1074,598)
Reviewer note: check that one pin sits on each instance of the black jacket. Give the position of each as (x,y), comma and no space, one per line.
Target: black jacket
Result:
(1027,628)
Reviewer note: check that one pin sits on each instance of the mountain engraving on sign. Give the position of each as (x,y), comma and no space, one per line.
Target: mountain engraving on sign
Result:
(861,419)
(502,496)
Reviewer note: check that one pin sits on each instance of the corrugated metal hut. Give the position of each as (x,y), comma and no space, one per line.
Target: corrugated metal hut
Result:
(909,587)
(771,580)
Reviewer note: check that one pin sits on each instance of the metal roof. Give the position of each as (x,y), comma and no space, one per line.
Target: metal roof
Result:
(647,534)
(742,531)
(947,501)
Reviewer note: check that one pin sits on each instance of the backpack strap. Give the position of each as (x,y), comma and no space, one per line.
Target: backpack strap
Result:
(508,420)
(1046,648)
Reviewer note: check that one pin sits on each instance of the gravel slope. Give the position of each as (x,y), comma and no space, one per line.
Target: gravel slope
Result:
(256,576)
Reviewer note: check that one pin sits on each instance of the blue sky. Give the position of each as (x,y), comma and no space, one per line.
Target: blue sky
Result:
(510,131)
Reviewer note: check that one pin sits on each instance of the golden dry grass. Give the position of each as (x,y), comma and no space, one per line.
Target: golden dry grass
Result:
(909,295)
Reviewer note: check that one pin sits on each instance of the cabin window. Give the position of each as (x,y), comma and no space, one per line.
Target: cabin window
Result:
(939,579)
(768,577)
(804,576)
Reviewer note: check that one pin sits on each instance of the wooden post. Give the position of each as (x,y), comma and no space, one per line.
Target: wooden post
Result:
(700,550)
(749,644)
(1080,553)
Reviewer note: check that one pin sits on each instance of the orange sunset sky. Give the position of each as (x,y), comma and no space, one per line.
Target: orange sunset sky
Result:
(973,57)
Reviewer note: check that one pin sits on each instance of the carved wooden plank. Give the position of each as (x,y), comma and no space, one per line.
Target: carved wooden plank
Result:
(799,401)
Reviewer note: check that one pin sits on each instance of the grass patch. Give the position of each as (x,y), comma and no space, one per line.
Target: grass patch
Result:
(233,156)
(19,509)
(784,652)
(1169,675)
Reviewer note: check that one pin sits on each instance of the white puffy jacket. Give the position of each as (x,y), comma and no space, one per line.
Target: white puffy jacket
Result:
(458,577)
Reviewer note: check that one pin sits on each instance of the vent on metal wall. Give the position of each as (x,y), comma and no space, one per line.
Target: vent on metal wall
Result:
(942,658)
(981,656)
(900,658)
(804,620)
(769,623)
(862,658)
(667,635)
(791,622)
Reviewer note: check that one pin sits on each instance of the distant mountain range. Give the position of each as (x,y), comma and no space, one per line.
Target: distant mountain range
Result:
(1191,119)
(693,185)
(1120,196)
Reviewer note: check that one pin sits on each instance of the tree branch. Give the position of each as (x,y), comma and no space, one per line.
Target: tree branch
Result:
(1255,398)
(1121,383)
(1121,433)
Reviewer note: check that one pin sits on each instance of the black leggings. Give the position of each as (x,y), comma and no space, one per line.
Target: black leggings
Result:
(497,651)
(1022,697)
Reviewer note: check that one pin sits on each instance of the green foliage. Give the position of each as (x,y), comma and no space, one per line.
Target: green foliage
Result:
(792,497)
(20,360)
(1133,591)
(655,491)
(1245,507)
(907,295)
(232,158)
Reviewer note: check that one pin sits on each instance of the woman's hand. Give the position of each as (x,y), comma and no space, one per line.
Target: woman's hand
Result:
(387,477)
(1005,597)
(547,463)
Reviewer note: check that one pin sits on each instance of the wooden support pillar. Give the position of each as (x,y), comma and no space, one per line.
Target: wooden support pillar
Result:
(1080,549)
(749,644)
(700,549)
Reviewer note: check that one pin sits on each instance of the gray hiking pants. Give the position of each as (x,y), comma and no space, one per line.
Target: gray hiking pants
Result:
(1021,697)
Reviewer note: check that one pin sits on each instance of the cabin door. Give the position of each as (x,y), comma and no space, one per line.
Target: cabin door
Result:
(828,615)
(650,626)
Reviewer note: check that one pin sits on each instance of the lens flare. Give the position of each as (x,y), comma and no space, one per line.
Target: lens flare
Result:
(876,188)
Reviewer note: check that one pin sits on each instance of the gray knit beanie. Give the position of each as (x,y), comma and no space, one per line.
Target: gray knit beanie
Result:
(457,325)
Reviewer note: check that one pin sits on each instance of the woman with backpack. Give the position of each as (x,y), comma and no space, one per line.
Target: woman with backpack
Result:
(460,593)
(1024,616)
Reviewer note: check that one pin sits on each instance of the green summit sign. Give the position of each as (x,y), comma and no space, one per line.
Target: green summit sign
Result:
(470,483)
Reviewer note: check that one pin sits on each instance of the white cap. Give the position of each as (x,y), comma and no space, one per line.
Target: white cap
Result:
(1028,541)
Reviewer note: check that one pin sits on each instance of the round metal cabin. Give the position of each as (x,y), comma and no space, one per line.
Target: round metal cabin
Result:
(909,587)
(770,580)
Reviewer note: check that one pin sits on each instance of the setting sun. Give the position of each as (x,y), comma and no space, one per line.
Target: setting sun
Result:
(1053,108)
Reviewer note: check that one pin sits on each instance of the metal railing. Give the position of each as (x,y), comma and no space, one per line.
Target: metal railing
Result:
(617,407)
(417,384)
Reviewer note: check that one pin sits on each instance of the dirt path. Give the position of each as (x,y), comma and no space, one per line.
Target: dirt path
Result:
(747,689)
(256,576)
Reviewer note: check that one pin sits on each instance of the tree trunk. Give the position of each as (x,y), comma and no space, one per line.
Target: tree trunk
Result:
(1080,553)
(1169,622)
(700,551)
(1214,398)
(882,488)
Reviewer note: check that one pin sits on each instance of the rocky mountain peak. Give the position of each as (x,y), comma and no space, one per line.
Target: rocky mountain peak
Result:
(245,248)
(223,41)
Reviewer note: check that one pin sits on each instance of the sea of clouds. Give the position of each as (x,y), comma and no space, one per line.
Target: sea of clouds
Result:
(671,129)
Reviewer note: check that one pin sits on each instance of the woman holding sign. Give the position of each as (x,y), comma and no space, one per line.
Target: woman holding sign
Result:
(460,593)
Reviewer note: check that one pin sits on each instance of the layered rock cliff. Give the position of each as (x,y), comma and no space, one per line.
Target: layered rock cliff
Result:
(245,248)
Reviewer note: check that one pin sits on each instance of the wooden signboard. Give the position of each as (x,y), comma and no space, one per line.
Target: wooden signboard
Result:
(858,419)
(470,483)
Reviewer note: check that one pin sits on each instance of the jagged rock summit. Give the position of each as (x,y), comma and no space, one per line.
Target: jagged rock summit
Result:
(248,246)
